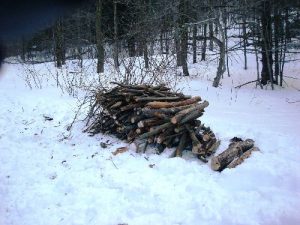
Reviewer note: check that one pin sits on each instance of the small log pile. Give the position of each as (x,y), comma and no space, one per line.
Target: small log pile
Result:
(237,151)
(153,115)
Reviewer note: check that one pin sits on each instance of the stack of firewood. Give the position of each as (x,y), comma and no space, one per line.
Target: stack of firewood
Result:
(153,115)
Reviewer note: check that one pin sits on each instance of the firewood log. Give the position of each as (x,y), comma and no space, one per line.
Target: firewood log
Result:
(171,110)
(116,105)
(206,137)
(134,91)
(183,113)
(124,117)
(236,149)
(141,130)
(212,149)
(192,116)
(136,118)
(148,99)
(195,142)
(156,130)
(167,135)
(150,122)
(131,135)
(155,114)
(164,135)
(126,129)
(130,106)
(241,159)
(158,93)
(170,93)
(111,102)
(158,104)
(125,95)
(181,145)
(170,142)
(179,129)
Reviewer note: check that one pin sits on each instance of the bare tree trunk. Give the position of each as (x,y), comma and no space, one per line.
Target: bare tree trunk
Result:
(116,42)
(245,42)
(177,48)
(266,45)
(78,49)
(146,57)
(257,64)
(286,38)
(194,44)
(225,15)
(59,44)
(184,51)
(167,42)
(183,36)
(287,26)
(211,34)
(216,32)
(146,34)
(140,46)
(221,65)
(276,44)
(99,37)
(152,44)
(161,42)
(131,47)
(204,44)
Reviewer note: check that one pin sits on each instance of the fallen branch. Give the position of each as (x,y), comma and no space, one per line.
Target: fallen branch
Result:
(249,82)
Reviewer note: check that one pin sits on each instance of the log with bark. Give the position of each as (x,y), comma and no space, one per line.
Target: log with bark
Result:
(241,159)
(237,151)
(152,115)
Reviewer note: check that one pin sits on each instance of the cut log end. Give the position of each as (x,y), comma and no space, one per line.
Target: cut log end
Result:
(215,164)
(174,120)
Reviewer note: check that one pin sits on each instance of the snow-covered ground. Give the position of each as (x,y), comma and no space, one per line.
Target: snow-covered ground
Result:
(49,176)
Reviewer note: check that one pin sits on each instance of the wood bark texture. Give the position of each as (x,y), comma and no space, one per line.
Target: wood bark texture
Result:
(235,150)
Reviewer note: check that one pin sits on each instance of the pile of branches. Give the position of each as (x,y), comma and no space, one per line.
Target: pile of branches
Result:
(152,115)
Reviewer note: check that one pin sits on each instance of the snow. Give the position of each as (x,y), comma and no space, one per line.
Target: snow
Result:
(51,176)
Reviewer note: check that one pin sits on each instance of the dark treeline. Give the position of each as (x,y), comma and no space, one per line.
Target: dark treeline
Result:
(187,29)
